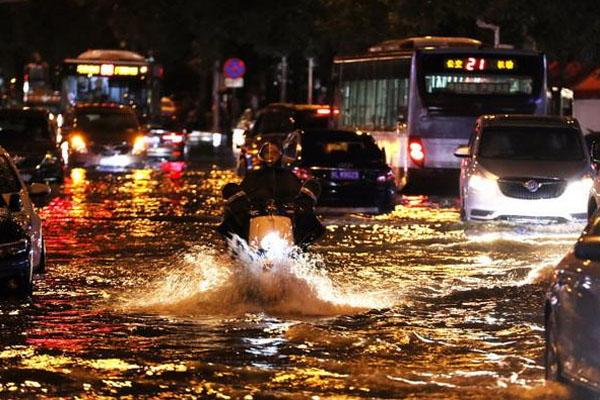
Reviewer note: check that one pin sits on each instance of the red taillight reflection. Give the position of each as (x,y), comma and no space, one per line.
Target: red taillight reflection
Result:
(416,151)
(302,173)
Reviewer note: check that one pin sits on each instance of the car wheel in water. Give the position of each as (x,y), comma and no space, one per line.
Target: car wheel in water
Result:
(242,167)
(592,207)
(25,284)
(41,269)
(551,359)
(463,212)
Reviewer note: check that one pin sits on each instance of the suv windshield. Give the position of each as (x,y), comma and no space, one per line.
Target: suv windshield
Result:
(19,129)
(335,149)
(532,143)
(106,121)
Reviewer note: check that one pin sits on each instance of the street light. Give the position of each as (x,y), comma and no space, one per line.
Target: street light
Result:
(484,25)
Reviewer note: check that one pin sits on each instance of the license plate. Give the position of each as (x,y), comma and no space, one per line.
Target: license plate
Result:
(345,175)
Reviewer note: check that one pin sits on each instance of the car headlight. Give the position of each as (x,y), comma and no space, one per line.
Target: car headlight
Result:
(139,145)
(77,143)
(482,184)
(582,186)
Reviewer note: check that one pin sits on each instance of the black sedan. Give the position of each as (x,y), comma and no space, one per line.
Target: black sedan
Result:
(349,165)
(30,136)
(572,314)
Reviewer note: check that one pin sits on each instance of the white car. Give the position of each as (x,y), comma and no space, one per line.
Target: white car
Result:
(22,248)
(525,167)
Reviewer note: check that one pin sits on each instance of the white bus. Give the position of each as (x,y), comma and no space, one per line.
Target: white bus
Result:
(419,97)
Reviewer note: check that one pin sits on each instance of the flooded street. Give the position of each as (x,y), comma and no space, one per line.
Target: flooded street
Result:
(141,300)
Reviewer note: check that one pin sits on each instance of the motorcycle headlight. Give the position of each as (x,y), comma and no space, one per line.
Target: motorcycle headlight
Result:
(481,183)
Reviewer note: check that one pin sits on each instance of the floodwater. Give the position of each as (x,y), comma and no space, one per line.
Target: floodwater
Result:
(141,300)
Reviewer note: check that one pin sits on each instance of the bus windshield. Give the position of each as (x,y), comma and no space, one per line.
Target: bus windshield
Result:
(446,79)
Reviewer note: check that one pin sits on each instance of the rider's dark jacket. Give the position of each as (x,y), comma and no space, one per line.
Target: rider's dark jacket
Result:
(272,183)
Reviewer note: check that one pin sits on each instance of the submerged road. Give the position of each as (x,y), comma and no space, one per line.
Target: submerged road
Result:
(141,300)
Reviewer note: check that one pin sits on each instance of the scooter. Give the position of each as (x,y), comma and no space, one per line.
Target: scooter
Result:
(271,226)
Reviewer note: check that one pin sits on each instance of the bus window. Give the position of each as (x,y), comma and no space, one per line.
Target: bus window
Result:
(374,94)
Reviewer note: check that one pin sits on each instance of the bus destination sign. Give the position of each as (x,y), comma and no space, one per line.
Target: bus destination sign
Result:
(480,64)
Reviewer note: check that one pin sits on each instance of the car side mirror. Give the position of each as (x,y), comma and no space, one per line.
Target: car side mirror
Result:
(39,189)
(15,204)
(462,152)
(588,248)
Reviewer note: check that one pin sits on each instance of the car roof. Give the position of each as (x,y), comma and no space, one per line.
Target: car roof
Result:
(101,106)
(334,133)
(296,107)
(542,121)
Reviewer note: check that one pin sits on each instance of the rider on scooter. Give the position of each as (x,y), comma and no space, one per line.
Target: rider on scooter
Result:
(272,182)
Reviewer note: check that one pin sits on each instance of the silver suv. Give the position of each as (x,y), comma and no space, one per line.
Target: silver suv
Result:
(525,167)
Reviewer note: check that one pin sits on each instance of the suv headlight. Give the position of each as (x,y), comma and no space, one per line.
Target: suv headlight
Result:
(582,186)
(482,184)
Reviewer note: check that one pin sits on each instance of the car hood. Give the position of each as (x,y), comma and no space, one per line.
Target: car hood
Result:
(535,169)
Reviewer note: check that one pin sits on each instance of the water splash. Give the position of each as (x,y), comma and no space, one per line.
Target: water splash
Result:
(282,280)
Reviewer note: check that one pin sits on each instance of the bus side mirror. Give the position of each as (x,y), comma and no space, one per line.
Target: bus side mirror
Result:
(462,152)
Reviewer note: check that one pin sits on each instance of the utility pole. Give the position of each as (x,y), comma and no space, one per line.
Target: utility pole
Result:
(311,67)
(495,28)
(216,103)
(284,79)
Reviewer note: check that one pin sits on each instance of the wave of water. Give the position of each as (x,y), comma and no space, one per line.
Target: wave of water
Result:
(205,281)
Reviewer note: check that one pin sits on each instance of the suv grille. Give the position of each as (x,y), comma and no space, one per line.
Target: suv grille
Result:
(532,188)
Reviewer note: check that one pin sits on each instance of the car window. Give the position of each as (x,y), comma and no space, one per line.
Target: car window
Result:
(106,120)
(9,182)
(330,150)
(279,121)
(531,143)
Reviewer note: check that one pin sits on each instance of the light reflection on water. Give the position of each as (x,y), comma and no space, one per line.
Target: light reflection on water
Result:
(140,300)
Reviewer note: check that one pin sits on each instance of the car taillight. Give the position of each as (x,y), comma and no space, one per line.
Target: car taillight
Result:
(387,177)
(416,151)
(302,173)
(173,137)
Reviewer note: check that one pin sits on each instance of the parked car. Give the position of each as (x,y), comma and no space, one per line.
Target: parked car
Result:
(523,166)
(22,247)
(105,137)
(30,136)
(571,314)
(274,122)
(350,167)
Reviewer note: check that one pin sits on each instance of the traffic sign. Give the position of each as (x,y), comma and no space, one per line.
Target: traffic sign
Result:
(234,68)
(234,83)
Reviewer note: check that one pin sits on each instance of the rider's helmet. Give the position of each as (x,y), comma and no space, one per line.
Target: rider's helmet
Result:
(270,154)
